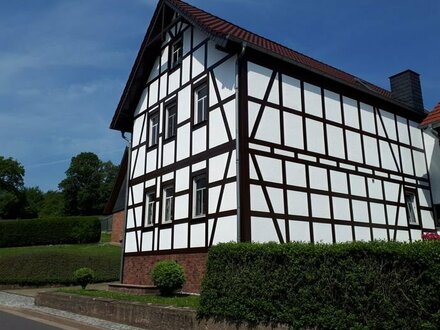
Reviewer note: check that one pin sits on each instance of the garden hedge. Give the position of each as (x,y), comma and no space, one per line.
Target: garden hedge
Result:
(375,285)
(66,230)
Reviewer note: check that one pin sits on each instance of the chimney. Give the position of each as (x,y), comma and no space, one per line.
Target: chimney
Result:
(405,87)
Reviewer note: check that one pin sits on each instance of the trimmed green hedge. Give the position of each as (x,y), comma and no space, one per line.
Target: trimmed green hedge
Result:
(375,285)
(66,230)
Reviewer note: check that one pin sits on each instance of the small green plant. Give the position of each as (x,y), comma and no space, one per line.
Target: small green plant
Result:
(168,276)
(83,276)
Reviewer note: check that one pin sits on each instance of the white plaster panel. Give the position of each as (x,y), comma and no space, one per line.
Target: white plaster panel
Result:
(354,146)
(341,208)
(154,70)
(380,234)
(198,37)
(165,239)
(297,203)
(199,140)
(217,129)
(150,183)
(416,135)
(138,193)
(299,231)
(339,182)
(153,93)
(407,165)
(360,210)
(313,99)
(258,201)
(274,94)
(140,163)
(214,55)
(186,66)
(258,80)
(198,64)
(270,169)
(357,185)
(282,227)
(252,171)
(174,81)
(427,219)
(296,174)
(186,41)
(181,204)
(424,197)
(371,151)
(374,188)
(225,78)
(293,130)
(320,206)
(322,233)
(362,233)
(198,166)
(183,141)
(151,160)
(402,236)
(332,106)
(263,230)
(130,219)
(147,241)
(389,124)
(416,235)
(168,153)
(253,109)
(386,156)
(377,213)
(130,242)
(164,58)
(402,129)
(315,136)
(276,199)
(230,117)
(163,81)
(351,113)
(226,230)
(343,234)
(318,178)
(391,213)
(232,166)
(229,200)
(335,141)
(420,165)
(180,236)
(432,149)
(182,179)
(269,126)
(291,89)
(137,130)
(217,167)
(367,118)
(213,196)
(198,235)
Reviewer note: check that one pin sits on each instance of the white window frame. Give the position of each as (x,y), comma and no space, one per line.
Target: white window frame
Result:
(201,100)
(176,52)
(165,200)
(153,139)
(171,115)
(200,210)
(412,211)
(150,201)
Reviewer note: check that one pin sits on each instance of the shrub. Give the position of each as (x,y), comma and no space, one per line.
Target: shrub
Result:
(168,276)
(375,285)
(65,230)
(83,276)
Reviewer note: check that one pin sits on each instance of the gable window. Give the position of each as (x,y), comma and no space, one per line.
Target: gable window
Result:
(171,122)
(176,53)
(149,209)
(200,196)
(411,207)
(168,204)
(153,129)
(201,104)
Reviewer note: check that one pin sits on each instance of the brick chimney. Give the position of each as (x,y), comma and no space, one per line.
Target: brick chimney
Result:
(405,87)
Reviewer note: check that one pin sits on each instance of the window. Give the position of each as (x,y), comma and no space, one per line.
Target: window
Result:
(200,196)
(154,129)
(201,104)
(149,209)
(171,122)
(411,207)
(176,53)
(168,204)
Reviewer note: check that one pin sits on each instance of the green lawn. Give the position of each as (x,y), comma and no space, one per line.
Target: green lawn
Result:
(178,300)
(54,264)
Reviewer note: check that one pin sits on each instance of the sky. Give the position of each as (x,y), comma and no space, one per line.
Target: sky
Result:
(64,63)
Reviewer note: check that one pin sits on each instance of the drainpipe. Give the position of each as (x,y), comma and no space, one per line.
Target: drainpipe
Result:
(237,136)
(128,140)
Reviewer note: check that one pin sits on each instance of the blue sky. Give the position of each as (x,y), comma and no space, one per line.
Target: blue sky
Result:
(64,64)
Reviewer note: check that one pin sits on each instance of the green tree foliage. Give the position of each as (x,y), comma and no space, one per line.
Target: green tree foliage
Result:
(52,205)
(87,185)
(33,202)
(11,188)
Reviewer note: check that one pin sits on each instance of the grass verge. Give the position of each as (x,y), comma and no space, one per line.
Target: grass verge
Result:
(177,300)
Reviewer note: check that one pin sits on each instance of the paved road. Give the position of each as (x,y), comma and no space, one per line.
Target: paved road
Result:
(15,322)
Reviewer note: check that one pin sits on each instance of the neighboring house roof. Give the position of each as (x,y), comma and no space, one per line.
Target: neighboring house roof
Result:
(433,118)
(223,32)
(116,201)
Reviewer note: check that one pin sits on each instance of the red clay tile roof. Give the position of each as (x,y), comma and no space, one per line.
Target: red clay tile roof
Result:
(433,117)
(220,28)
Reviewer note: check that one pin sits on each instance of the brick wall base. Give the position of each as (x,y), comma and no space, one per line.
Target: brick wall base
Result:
(137,269)
(117,225)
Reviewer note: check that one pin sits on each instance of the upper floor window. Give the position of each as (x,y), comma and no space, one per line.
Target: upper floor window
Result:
(168,204)
(171,121)
(153,129)
(149,209)
(176,53)
(411,207)
(200,196)
(201,104)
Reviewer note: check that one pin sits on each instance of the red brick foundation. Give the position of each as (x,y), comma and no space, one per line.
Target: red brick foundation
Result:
(117,225)
(137,269)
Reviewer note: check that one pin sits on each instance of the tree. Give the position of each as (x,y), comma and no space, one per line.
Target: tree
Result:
(11,188)
(52,205)
(33,202)
(86,186)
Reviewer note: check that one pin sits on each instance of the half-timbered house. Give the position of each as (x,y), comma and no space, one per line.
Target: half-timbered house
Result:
(238,138)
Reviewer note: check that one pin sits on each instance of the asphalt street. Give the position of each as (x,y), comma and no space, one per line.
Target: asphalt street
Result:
(14,322)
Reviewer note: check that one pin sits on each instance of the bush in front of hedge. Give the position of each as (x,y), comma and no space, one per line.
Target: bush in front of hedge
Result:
(67,230)
(362,285)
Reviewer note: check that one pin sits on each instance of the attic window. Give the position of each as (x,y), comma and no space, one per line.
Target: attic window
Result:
(411,207)
(176,54)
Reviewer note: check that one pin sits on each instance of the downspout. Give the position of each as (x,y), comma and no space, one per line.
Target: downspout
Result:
(237,136)
(121,271)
